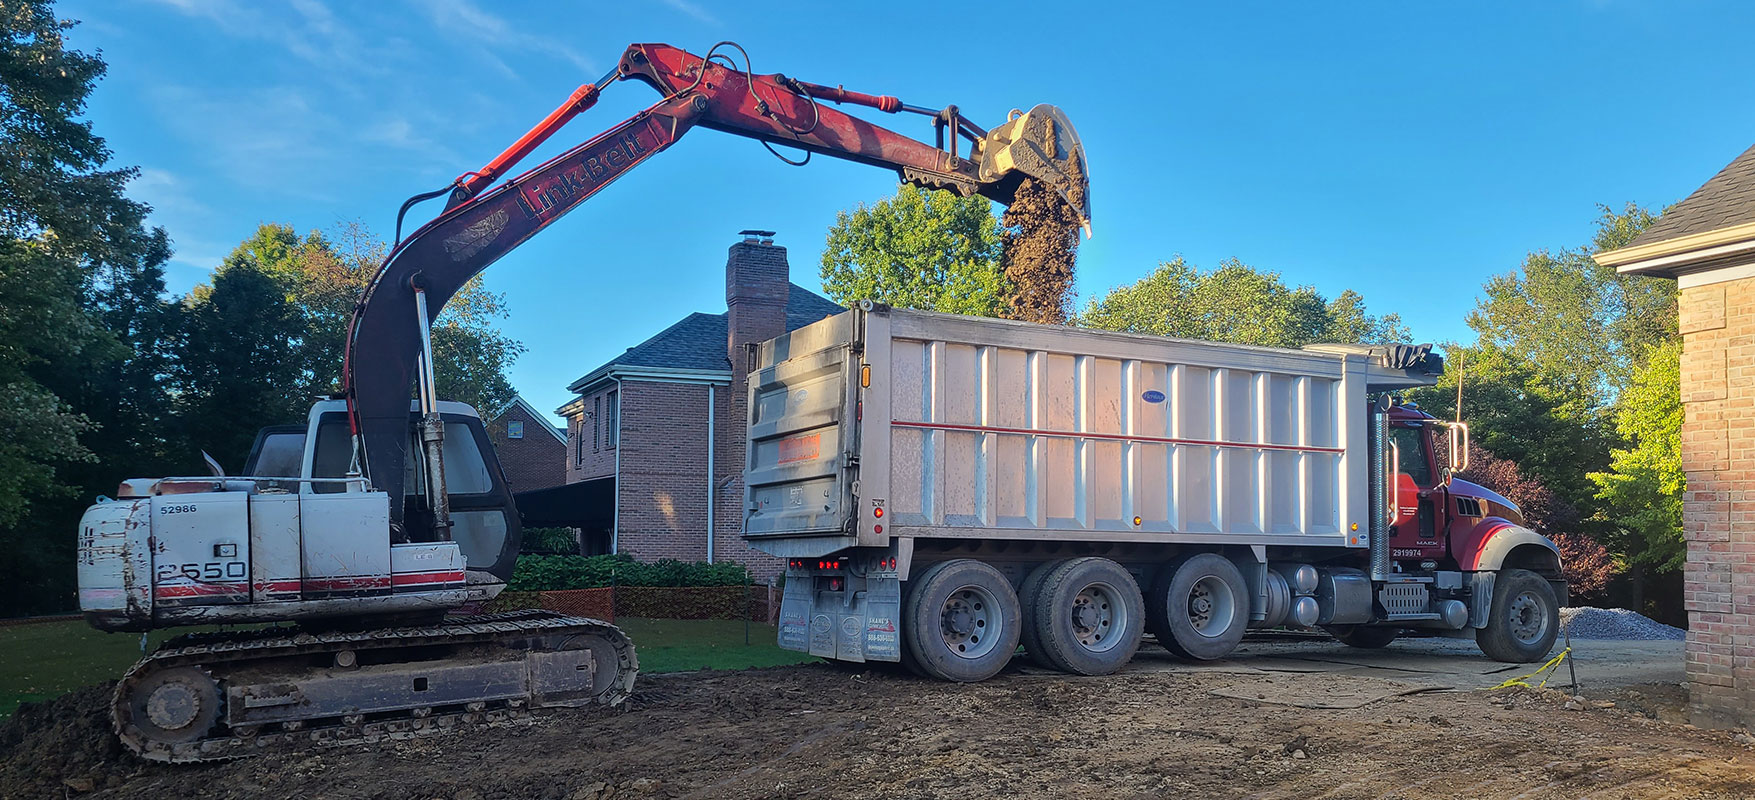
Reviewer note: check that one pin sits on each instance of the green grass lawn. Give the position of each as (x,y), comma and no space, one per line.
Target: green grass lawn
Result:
(42,660)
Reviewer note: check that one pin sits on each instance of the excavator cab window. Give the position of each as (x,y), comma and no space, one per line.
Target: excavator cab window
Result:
(279,452)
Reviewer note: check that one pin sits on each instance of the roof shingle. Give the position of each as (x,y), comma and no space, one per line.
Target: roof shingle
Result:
(698,341)
(1727,199)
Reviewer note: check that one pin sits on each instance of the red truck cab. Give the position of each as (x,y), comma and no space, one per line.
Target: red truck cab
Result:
(1444,522)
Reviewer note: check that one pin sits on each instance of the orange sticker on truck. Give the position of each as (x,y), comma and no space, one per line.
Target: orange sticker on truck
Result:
(800,448)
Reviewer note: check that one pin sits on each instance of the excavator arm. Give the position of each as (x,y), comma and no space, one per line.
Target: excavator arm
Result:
(482,222)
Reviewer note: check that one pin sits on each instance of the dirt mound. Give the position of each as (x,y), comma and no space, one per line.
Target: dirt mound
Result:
(1585,622)
(51,747)
(1038,249)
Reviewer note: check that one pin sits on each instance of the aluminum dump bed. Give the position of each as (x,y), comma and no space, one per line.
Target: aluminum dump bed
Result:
(881,423)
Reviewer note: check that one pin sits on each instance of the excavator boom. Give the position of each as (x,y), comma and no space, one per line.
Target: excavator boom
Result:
(481,224)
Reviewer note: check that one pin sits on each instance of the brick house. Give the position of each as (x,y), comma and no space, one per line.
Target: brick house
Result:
(532,452)
(1707,244)
(655,436)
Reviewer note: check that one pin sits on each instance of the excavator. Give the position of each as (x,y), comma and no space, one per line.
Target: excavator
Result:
(355,535)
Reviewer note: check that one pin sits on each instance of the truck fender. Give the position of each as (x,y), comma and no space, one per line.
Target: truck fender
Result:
(1501,540)
(1497,545)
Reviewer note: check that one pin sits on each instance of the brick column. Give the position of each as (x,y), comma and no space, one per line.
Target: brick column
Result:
(1717,322)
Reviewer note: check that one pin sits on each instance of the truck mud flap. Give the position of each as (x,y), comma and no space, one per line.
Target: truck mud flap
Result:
(863,627)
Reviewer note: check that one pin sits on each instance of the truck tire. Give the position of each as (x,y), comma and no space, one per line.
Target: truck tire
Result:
(1363,636)
(1523,619)
(962,621)
(1085,616)
(1026,601)
(1199,607)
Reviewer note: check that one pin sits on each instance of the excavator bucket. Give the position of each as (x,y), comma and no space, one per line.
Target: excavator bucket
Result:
(1040,144)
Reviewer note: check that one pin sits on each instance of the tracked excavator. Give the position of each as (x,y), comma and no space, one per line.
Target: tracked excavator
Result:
(355,534)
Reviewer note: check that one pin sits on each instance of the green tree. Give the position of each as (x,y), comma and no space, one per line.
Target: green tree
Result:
(470,354)
(1581,327)
(78,271)
(1642,489)
(920,249)
(241,362)
(1513,412)
(295,352)
(1236,303)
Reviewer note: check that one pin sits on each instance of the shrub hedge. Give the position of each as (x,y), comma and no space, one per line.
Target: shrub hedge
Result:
(550,541)
(536,573)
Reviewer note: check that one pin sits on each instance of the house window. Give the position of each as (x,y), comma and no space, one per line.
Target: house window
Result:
(610,414)
(596,423)
(515,429)
(579,442)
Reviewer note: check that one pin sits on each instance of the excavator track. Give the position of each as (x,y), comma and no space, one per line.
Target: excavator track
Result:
(217,696)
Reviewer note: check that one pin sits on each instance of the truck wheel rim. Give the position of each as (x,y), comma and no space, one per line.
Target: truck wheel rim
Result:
(1098,617)
(1211,606)
(1529,621)
(970,622)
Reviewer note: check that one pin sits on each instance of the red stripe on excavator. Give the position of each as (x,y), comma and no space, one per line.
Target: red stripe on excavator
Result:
(1112,437)
(200,589)
(420,578)
(345,583)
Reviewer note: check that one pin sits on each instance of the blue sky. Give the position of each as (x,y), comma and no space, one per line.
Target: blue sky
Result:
(1408,151)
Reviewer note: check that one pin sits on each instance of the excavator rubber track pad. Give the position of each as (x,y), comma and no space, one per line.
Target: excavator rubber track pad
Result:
(215,696)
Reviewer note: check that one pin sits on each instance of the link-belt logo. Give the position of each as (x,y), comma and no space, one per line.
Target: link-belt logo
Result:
(580,179)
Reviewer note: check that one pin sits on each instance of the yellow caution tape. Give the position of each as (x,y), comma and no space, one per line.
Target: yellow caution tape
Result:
(1552,665)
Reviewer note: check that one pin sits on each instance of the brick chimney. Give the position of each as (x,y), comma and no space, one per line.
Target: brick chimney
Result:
(756,286)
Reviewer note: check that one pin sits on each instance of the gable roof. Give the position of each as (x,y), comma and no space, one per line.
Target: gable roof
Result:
(1727,199)
(541,421)
(697,342)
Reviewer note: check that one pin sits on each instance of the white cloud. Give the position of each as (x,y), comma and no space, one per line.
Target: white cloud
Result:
(692,9)
(311,33)
(464,20)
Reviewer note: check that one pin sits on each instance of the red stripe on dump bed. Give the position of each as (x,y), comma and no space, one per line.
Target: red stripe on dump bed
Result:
(1112,437)
(419,578)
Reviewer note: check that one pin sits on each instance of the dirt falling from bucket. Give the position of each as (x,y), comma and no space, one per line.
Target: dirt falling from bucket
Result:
(1039,246)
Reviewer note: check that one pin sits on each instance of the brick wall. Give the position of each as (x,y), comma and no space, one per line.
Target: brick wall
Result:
(663,490)
(536,461)
(1718,454)
(589,453)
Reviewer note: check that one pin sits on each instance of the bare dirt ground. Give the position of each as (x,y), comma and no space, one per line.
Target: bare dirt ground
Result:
(821,731)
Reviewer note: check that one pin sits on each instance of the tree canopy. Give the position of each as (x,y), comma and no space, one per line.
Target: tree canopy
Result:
(1642,489)
(921,249)
(268,335)
(80,275)
(102,375)
(1237,303)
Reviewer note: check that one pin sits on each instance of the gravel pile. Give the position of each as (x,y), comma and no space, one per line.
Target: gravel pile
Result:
(1616,623)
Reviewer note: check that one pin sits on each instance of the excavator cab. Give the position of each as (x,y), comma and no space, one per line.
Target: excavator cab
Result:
(484,521)
(300,535)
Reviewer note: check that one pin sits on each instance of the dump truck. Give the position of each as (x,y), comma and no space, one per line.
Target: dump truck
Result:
(945,488)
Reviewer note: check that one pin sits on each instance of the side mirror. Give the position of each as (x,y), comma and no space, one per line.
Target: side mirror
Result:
(1459,450)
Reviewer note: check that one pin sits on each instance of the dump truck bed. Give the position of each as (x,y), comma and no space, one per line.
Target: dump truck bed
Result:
(878,424)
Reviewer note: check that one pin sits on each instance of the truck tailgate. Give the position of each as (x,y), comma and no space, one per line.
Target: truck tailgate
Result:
(798,480)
